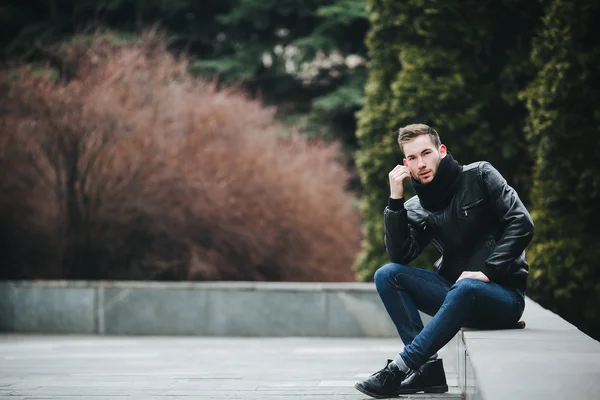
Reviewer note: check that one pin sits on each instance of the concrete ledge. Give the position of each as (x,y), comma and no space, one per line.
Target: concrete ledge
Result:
(549,359)
(194,308)
(46,308)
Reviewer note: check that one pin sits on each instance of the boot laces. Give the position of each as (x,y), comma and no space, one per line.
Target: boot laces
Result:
(384,374)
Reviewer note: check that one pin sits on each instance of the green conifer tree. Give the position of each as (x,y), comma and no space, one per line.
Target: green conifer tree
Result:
(563,102)
(454,65)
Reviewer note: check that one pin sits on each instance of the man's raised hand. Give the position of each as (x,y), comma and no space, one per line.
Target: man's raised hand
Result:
(397,177)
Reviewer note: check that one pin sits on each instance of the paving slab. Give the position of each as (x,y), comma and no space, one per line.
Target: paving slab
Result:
(163,367)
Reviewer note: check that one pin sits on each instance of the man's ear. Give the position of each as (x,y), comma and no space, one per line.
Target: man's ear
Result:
(405,162)
(443,150)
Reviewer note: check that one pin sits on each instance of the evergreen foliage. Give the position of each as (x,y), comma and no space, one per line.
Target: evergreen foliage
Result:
(30,26)
(307,57)
(451,65)
(563,129)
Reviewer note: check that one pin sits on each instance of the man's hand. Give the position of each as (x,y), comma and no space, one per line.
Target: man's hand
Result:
(397,177)
(480,276)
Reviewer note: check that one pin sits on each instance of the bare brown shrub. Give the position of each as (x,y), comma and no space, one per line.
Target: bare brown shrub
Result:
(133,169)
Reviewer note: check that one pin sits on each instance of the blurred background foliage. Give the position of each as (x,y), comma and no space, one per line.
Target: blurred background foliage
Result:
(513,82)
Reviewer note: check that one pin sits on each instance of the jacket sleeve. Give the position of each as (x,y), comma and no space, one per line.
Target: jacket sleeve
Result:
(516,223)
(403,240)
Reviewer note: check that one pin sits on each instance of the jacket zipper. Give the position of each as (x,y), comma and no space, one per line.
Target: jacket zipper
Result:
(468,207)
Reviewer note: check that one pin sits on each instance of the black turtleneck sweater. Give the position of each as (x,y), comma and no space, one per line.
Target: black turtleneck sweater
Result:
(436,195)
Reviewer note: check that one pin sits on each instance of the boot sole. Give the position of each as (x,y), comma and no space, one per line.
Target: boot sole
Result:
(429,389)
(376,396)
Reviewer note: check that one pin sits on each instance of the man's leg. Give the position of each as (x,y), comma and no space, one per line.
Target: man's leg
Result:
(469,300)
(406,290)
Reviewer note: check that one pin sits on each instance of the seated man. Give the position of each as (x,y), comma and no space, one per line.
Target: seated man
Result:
(481,227)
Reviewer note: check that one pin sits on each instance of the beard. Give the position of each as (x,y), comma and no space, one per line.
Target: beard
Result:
(430,173)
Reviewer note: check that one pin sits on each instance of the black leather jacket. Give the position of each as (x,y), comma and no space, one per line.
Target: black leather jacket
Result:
(485,228)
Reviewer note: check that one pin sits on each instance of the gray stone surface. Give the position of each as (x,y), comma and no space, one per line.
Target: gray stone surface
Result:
(357,314)
(6,307)
(549,359)
(471,390)
(264,313)
(123,367)
(194,308)
(153,311)
(460,364)
(53,310)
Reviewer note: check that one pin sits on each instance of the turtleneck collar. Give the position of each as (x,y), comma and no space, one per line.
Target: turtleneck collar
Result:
(436,195)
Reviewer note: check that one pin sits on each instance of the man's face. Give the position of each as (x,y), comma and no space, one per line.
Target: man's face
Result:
(422,158)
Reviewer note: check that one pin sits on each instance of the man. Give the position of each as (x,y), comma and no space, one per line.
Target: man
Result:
(481,227)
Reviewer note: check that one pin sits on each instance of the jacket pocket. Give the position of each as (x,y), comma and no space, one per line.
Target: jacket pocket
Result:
(469,208)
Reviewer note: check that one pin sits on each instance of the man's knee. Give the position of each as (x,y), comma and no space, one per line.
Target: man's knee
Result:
(386,274)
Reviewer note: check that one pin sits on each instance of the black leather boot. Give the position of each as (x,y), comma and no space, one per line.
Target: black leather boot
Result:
(430,378)
(384,383)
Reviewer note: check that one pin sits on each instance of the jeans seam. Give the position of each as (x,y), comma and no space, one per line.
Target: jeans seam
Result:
(410,319)
(517,305)
(412,322)
(473,300)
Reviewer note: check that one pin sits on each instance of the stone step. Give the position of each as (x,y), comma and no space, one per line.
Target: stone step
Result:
(104,367)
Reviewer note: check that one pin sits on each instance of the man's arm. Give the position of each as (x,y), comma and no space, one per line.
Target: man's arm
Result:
(516,223)
(403,241)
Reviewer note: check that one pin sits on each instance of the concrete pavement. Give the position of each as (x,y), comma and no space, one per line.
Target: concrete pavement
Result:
(148,367)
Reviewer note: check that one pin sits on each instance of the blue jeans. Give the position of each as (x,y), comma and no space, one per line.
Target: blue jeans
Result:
(469,302)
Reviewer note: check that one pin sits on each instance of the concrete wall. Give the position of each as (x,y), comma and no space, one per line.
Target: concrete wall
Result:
(194,308)
(550,359)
